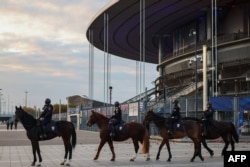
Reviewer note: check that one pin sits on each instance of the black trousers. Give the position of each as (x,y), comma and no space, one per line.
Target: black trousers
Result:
(112,124)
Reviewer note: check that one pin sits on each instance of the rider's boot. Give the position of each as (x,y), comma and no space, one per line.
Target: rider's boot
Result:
(112,132)
(204,133)
(43,133)
(170,130)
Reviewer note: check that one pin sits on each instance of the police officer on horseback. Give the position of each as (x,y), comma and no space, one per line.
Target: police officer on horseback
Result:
(45,117)
(175,116)
(208,117)
(115,119)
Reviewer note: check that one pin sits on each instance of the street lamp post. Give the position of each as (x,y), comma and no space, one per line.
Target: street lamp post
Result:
(110,94)
(248,80)
(0,103)
(26,95)
(193,33)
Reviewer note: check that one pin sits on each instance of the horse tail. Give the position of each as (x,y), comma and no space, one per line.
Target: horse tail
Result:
(73,139)
(145,142)
(234,133)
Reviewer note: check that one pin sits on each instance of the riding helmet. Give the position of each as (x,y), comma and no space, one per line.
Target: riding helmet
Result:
(117,104)
(47,101)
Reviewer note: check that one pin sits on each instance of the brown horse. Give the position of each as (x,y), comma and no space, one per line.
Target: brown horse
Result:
(137,132)
(223,129)
(189,128)
(63,129)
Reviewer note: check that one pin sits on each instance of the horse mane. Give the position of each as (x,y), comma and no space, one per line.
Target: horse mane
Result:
(99,114)
(27,120)
(191,118)
(159,117)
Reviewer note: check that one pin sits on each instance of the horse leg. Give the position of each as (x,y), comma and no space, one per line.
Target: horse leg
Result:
(66,153)
(169,151)
(70,154)
(100,148)
(136,147)
(36,149)
(211,152)
(111,149)
(226,145)
(195,147)
(39,154)
(34,154)
(197,150)
(159,149)
(232,144)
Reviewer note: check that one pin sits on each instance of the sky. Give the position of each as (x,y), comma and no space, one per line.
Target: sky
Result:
(44,53)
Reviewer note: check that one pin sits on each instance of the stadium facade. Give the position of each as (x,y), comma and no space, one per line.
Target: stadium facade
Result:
(201,47)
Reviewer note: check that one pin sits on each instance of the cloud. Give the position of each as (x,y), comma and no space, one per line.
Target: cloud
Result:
(44,51)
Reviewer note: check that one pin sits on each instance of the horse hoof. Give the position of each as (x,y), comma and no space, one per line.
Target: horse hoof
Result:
(62,163)
(38,165)
(192,160)
(168,160)
(112,159)
(132,160)
(147,159)
(67,164)
(95,158)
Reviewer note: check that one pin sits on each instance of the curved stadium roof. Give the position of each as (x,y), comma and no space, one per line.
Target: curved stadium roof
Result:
(162,17)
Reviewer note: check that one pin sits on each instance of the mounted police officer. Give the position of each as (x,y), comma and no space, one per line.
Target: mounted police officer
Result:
(208,118)
(175,116)
(115,119)
(45,117)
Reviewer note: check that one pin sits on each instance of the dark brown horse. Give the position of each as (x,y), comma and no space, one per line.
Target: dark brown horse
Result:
(187,128)
(63,129)
(223,129)
(136,131)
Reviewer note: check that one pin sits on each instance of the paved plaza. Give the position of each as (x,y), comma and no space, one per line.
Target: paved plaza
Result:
(15,151)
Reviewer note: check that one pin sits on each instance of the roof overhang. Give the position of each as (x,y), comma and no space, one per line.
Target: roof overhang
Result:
(161,18)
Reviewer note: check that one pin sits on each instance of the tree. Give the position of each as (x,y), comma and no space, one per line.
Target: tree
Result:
(63,108)
(30,110)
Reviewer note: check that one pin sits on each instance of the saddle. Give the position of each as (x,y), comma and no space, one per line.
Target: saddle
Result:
(120,128)
(51,127)
(177,125)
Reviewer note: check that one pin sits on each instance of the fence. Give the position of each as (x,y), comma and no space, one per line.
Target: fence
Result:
(227,109)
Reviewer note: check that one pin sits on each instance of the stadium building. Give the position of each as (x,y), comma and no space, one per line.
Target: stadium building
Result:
(201,48)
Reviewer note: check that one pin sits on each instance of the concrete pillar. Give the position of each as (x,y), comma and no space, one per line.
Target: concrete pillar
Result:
(160,54)
(204,58)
